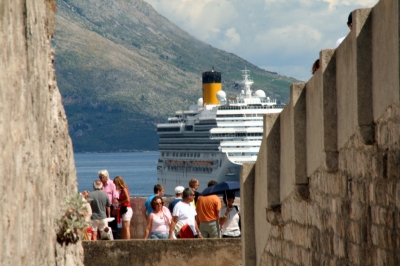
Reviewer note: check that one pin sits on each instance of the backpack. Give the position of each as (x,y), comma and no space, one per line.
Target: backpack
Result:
(237,209)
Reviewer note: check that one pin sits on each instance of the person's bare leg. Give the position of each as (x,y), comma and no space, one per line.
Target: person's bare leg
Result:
(126,232)
(94,235)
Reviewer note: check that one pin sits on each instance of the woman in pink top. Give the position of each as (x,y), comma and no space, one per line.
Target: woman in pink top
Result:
(124,201)
(158,221)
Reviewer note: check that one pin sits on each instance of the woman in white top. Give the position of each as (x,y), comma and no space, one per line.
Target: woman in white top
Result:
(229,217)
(159,221)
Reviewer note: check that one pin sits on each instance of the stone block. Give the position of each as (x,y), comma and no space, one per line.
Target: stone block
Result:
(299,122)
(346,86)
(394,133)
(315,240)
(247,177)
(321,110)
(359,190)
(362,28)
(292,137)
(305,257)
(341,227)
(313,213)
(354,253)
(275,232)
(339,247)
(382,133)
(274,217)
(327,243)
(286,211)
(354,232)
(314,133)
(275,247)
(375,235)
(163,252)
(299,214)
(381,257)
(268,176)
(376,212)
(385,68)
(397,195)
(343,184)
(393,164)
(288,250)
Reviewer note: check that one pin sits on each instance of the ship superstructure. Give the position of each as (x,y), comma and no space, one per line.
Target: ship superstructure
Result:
(212,139)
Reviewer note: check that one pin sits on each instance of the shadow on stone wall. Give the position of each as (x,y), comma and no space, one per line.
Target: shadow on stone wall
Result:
(326,182)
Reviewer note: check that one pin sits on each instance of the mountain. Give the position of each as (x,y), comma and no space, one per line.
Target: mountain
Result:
(121,68)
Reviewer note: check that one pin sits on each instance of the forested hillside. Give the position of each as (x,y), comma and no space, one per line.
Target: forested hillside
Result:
(122,68)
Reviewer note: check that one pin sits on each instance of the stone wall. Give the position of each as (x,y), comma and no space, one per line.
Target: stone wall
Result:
(222,252)
(325,189)
(36,158)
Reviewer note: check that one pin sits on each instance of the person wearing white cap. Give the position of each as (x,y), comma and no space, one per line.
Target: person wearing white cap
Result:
(178,194)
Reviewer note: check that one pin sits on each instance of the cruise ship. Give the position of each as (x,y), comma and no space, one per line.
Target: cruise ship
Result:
(212,139)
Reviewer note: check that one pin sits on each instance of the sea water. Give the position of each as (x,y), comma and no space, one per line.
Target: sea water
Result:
(138,169)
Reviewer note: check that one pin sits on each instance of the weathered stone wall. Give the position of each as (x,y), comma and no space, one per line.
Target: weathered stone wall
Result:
(325,189)
(221,252)
(36,158)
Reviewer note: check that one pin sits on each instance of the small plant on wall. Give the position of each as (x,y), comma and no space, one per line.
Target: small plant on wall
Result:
(72,224)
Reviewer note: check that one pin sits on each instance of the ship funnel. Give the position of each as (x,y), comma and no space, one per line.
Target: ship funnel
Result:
(211,85)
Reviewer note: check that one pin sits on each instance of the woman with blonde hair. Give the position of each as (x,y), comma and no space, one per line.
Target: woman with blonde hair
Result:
(124,201)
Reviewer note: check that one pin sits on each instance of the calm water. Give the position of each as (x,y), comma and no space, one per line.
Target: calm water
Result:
(139,169)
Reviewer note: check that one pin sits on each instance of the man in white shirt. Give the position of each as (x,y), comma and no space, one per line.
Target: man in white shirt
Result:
(186,214)
(350,25)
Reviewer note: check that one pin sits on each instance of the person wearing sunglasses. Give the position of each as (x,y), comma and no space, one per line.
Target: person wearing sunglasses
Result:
(159,221)
(184,218)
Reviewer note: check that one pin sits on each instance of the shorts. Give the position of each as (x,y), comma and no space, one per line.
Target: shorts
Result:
(126,217)
(99,224)
(210,229)
(155,235)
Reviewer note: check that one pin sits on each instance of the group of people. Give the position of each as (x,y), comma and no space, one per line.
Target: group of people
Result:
(107,205)
(191,215)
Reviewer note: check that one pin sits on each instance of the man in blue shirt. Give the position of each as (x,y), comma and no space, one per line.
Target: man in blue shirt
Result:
(158,191)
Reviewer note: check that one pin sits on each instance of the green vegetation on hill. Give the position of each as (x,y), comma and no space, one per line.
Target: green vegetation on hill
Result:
(122,68)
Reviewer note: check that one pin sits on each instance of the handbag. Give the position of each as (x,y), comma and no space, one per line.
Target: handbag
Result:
(123,210)
(87,235)
(240,223)
(186,232)
(178,228)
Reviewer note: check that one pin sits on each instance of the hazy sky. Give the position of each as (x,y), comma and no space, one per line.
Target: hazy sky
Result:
(283,36)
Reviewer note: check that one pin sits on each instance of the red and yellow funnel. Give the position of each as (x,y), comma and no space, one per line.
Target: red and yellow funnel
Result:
(211,85)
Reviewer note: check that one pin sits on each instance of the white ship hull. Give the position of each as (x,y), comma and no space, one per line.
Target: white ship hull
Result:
(179,172)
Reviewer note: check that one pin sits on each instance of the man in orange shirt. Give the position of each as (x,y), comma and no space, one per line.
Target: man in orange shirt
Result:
(207,208)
